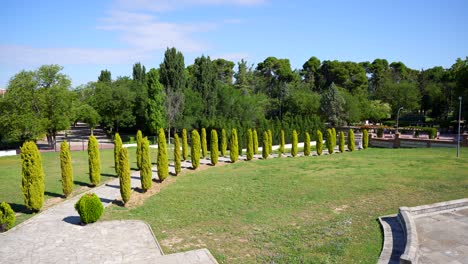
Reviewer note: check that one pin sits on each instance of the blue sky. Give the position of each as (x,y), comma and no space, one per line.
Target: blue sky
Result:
(88,36)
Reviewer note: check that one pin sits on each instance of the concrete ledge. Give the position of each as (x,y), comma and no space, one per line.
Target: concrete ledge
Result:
(199,256)
(424,210)
(410,256)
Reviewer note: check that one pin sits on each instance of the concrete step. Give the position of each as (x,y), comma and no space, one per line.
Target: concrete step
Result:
(199,256)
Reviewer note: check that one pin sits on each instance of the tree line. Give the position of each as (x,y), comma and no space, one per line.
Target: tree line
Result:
(216,94)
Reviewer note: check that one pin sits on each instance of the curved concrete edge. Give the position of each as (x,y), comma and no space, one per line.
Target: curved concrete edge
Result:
(387,247)
(410,256)
(152,233)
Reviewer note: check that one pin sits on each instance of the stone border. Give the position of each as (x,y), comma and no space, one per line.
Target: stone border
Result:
(154,236)
(387,248)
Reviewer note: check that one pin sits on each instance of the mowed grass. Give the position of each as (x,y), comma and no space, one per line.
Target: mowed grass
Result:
(10,176)
(299,210)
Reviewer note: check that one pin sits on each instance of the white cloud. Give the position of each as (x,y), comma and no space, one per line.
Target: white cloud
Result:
(168,5)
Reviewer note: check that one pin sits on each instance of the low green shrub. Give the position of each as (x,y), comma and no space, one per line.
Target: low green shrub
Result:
(89,207)
(7,217)
(432,132)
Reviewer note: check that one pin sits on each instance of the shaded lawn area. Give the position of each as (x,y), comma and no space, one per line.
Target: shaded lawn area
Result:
(299,210)
(10,175)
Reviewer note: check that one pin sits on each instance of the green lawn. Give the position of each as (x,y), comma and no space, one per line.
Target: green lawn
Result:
(299,210)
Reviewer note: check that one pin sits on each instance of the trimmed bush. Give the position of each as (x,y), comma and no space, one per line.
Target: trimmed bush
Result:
(333,137)
(139,139)
(117,148)
(195,150)
(184,144)
(163,161)
(270,141)
(319,143)
(177,160)
(281,148)
(380,132)
(250,145)
(67,170)
(214,147)
(255,142)
(265,145)
(204,149)
(32,176)
(342,142)
(432,133)
(94,161)
(307,144)
(89,207)
(329,141)
(294,150)
(234,148)
(124,176)
(351,140)
(223,142)
(7,217)
(146,174)
(365,139)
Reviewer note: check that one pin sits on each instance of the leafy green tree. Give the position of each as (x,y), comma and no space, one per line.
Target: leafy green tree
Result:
(172,70)
(184,144)
(342,142)
(234,148)
(139,150)
(319,143)
(310,71)
(214,147)
(351,140)
(204,143)
(307,144)
(32,176)
(224,70)
(105,76)
(117,147)
(163,161)
(66,168)
(404,94)
(94,161)
(146,173)
(281,148)
(332,104)
(203,81)
(223,142)
(156,102)
(266,144)
(250,147)
(177,160)
(294,149)
(195,150)
(365,139)
(88,115)
(140,90)
(329,141)
(124,176)
(255,141)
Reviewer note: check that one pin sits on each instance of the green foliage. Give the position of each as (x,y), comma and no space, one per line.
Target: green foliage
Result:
(265,147)
(365,139)
(204,143)
(156,109)
(94,161)
(223,142)
(307,144)
(163,161)
(432,132)
(250,145)
(351,143)
(146,173)
(214,147)
(177,156)
(294,149)
(342,142)
(380,132)
(332,105)
(255,141)
(184,144)
(333,136)
(172,72)
(270,141)
(195,150)
(32,176)
(89,207)
(234,148)
(66,168)
(139,138)
(7,217)
(329,141)
(281,148)
(124,176)
(117,148)
(319,142)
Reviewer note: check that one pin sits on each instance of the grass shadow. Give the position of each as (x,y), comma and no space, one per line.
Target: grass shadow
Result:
(109,175)
(80,183)
(51,194)
(134,169)
(113,186)
(139,190)
(20,208)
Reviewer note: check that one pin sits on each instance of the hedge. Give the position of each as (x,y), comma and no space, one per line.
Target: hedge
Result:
(32,176)
(195,150)
(342,142)
(177,160)
(66,168)
(351,140)
(7,217)
(365,139)
(307,144)
(146,173)
(117,148)
(294,150)
(265,147)
(94,161)
(139,139)
(124,176)
(319,144)
(329,141)
(214,147)
(163,162)
(234,148)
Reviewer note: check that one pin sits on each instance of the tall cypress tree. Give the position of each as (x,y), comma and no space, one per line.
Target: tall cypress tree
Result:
(329,141)
(195,150)
(365,139)
(234,150)
(146,174)
(223,142)
(214,147)
(124,176)
(184,144)
(319,142)
(270,141)
(163,162)
(139,138)
(117,148)
(177,161)
(67,170)
(94,161)
(307,144)
(255,142)
(32,176)
(204,143)
(342,142)
(351,140)
(294,149)
(250,147)
(281,148)
(266,145)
